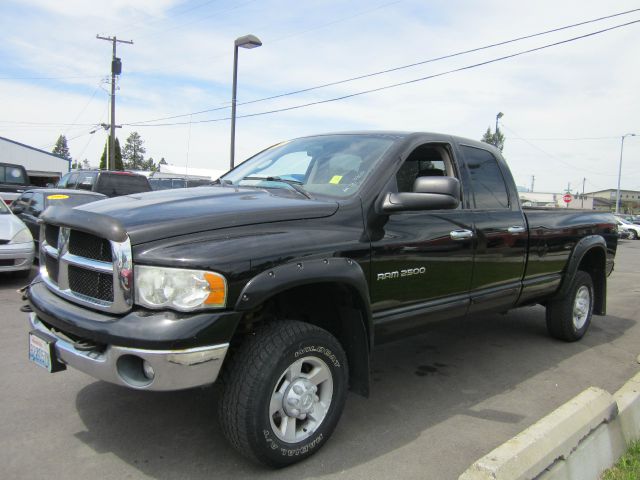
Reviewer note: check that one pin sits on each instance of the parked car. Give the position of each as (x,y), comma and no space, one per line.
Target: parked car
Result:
(13,181)
(16,243)
(282,278)
(108,182)
(30,205)
(632,228)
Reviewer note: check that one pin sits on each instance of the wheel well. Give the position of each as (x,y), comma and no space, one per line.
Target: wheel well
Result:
(594,263)
(335,307)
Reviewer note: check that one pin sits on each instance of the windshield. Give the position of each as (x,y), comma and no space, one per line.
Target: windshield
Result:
(334,165)
(3,208)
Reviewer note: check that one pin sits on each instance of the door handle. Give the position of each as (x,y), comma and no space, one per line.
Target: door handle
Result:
(461,234)
(516,229)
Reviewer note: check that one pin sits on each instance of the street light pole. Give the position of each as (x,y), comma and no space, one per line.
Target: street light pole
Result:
(620,169)
(498,117)
(247,41)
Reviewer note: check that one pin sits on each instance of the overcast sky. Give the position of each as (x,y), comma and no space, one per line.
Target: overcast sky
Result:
(565,107)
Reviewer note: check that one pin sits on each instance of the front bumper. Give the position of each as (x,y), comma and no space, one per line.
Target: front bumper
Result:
(21,254)
(126,366)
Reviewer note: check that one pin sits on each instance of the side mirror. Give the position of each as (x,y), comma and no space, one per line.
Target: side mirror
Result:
(16,209)
(429,193)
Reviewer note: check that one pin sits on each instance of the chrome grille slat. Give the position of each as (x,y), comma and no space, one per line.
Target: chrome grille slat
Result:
(88,281)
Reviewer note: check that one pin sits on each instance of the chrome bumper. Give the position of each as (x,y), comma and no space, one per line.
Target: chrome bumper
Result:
(172,369)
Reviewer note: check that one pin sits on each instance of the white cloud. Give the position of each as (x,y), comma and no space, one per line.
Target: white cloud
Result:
(181,62)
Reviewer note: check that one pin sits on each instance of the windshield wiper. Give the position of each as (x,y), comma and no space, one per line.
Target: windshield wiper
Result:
(295,184)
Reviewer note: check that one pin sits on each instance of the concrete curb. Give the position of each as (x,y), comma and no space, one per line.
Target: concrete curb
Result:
(577,441)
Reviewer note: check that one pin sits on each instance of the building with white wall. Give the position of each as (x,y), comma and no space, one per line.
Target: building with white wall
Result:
(43,167)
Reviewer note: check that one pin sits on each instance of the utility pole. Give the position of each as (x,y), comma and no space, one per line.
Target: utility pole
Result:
(533,181)
(116,69)
(582,198)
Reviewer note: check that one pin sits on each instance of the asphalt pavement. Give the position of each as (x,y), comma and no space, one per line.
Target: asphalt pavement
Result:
(440,400)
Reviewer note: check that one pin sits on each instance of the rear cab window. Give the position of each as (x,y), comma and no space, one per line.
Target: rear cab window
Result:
(13,175)
(116,184)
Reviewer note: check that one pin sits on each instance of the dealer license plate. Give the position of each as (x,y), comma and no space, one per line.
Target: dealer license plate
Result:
(42,351)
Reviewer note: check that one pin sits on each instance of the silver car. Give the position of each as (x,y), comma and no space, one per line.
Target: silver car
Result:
(16,243)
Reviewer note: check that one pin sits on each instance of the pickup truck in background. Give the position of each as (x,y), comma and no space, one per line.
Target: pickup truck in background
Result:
(279,280)
(13,181)
(111,183)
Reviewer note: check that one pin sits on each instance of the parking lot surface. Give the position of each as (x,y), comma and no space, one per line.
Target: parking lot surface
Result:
(439,401)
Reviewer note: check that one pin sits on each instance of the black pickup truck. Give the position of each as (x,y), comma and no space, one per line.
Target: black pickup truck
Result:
(279,280)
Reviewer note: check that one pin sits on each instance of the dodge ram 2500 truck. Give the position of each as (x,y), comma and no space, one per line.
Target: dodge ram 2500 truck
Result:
(279,280)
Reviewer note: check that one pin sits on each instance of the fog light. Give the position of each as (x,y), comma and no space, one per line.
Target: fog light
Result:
(148,370)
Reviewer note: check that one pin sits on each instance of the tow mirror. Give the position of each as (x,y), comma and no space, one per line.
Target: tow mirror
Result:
(429,193)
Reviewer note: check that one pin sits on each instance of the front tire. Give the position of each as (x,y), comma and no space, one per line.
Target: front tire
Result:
(283,392)
(569,318)
(633,235)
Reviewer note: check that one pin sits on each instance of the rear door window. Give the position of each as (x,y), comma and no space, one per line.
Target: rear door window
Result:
(487,181)
(86,180)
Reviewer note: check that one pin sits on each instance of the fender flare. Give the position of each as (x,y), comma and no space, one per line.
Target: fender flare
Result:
(304,272)
(357,326)
(584,246)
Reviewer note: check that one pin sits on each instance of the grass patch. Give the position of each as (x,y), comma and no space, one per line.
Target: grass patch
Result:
(628,467)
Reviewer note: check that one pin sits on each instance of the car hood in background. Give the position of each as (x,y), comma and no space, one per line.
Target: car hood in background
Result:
(9,226)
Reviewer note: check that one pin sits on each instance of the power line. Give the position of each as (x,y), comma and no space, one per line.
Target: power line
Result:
(387,87)
(553,157)
(394,69)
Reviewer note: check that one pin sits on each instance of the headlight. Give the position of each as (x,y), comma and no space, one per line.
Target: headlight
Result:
(23,236)
(184,290)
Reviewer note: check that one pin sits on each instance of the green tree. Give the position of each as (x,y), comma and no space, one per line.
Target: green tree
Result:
(103,159)
(150,165)
(496,139)
(133,152)
(61,148)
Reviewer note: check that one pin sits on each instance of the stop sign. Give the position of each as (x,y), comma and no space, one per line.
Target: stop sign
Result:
(567,198)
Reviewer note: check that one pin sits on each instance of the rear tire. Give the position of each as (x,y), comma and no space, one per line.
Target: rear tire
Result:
(569,318)
(633,235)
(283,392)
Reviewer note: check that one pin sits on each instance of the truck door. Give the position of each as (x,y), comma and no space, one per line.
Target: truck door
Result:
(501,231)
(421,261)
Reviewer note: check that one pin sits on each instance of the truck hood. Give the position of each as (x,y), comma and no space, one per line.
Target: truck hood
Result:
(168,213)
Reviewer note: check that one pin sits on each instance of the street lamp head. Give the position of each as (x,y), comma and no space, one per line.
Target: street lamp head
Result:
(500,115)
(248,41)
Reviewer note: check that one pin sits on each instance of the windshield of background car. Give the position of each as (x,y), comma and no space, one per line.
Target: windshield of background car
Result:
(333,165)
(70,200)
(3,208)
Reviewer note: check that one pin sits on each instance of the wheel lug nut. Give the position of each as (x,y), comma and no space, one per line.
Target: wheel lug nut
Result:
(293,402)
(314,389)
(295,412)
(316,398)
(302,416)
(298,389)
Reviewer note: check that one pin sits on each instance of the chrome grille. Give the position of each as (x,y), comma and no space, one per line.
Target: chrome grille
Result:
(51,233)
(89,246)
(91,283)
(86,269)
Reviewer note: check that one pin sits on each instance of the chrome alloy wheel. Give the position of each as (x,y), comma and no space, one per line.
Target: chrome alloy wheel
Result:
(581,307)
(301,399)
